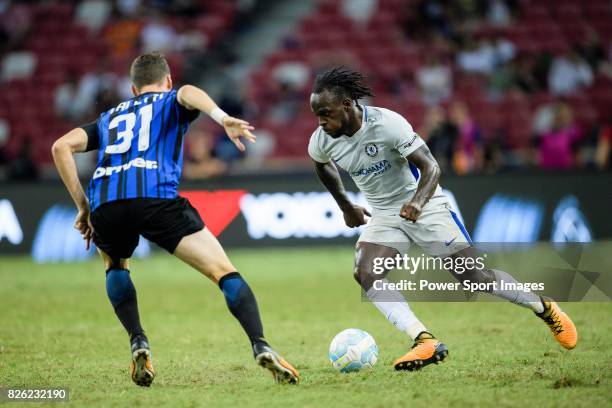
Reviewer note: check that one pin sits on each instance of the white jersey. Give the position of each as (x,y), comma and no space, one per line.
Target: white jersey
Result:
(375,157)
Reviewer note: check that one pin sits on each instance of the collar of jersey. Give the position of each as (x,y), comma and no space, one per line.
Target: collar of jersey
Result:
(150,92)
(364,121)
(146,93)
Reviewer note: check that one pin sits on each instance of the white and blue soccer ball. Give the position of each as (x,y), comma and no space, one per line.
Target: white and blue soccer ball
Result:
(353,349)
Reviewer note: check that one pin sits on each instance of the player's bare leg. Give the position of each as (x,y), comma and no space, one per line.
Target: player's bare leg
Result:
(426,349)
(122,295)
(559,322)
(202,251)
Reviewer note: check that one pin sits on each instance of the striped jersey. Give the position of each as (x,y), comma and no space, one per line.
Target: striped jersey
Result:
(140,148)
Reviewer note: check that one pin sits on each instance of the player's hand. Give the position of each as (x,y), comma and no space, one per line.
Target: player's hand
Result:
(83,225)
(237,128)
(411,211)
(354,215)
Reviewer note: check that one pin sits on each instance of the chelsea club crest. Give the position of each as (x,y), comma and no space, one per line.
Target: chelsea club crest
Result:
(371,149)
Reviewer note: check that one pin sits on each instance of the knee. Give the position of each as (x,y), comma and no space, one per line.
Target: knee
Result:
(364,276)
(115,263)
(119,286)
(217,270)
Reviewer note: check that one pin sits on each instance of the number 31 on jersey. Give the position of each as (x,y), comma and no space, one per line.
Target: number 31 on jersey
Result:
(124,137)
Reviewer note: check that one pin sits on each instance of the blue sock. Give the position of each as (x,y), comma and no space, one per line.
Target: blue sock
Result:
(241,302)
(122,295)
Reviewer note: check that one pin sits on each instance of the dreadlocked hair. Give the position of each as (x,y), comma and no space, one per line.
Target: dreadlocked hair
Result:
(342,82)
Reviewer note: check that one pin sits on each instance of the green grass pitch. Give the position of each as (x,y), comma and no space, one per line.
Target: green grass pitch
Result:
(57,329)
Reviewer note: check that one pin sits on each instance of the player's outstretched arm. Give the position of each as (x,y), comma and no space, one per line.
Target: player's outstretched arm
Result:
(354,215)
(63,150)
(192,97)
(428,181)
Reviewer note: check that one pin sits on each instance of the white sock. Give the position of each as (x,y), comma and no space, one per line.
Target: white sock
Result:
(519,297)
(393,306)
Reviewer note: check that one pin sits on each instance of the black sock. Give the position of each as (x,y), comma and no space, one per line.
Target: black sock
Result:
(122,295)
(241,302)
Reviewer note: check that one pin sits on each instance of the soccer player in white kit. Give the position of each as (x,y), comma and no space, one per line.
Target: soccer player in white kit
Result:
(398,176)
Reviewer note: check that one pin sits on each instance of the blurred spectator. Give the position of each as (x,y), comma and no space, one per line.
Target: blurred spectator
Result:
(503,79)
(294,74)
(483,57)
(91,85)
(123,87)
(291,78)
(468,153)
(74,99)
(541,68)
(543,119)
(493,154)
(435,81)
(515,75)
(192,41)
(257,153)
(15,25)
(128,8)
(592,50)
(360,11)
(498,13)
(18,64)
(93,14)
(85,95)
(569,73)
(523,75)
(65,95)
(435,15)
(122,35)
(199,161)
(557,145)
(107,97)
(156,35)
(440,135)
(478,58)
(23,167)
(503,50)
(287,104)
(223,148)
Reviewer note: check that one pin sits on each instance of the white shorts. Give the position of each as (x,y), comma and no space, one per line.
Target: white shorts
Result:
(438,231)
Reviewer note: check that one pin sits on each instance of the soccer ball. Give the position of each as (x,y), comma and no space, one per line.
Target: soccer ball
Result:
(353,349)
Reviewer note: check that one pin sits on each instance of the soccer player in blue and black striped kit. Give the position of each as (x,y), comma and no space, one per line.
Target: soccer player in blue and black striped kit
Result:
(133,192)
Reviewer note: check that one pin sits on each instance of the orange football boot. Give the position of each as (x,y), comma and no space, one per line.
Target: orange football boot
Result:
(559,323)
(142,367)
(282,371)
(425,350)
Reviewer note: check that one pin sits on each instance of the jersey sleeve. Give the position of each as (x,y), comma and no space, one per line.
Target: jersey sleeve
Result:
(93,138)
(315,151)
(186,116)
(405,139)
